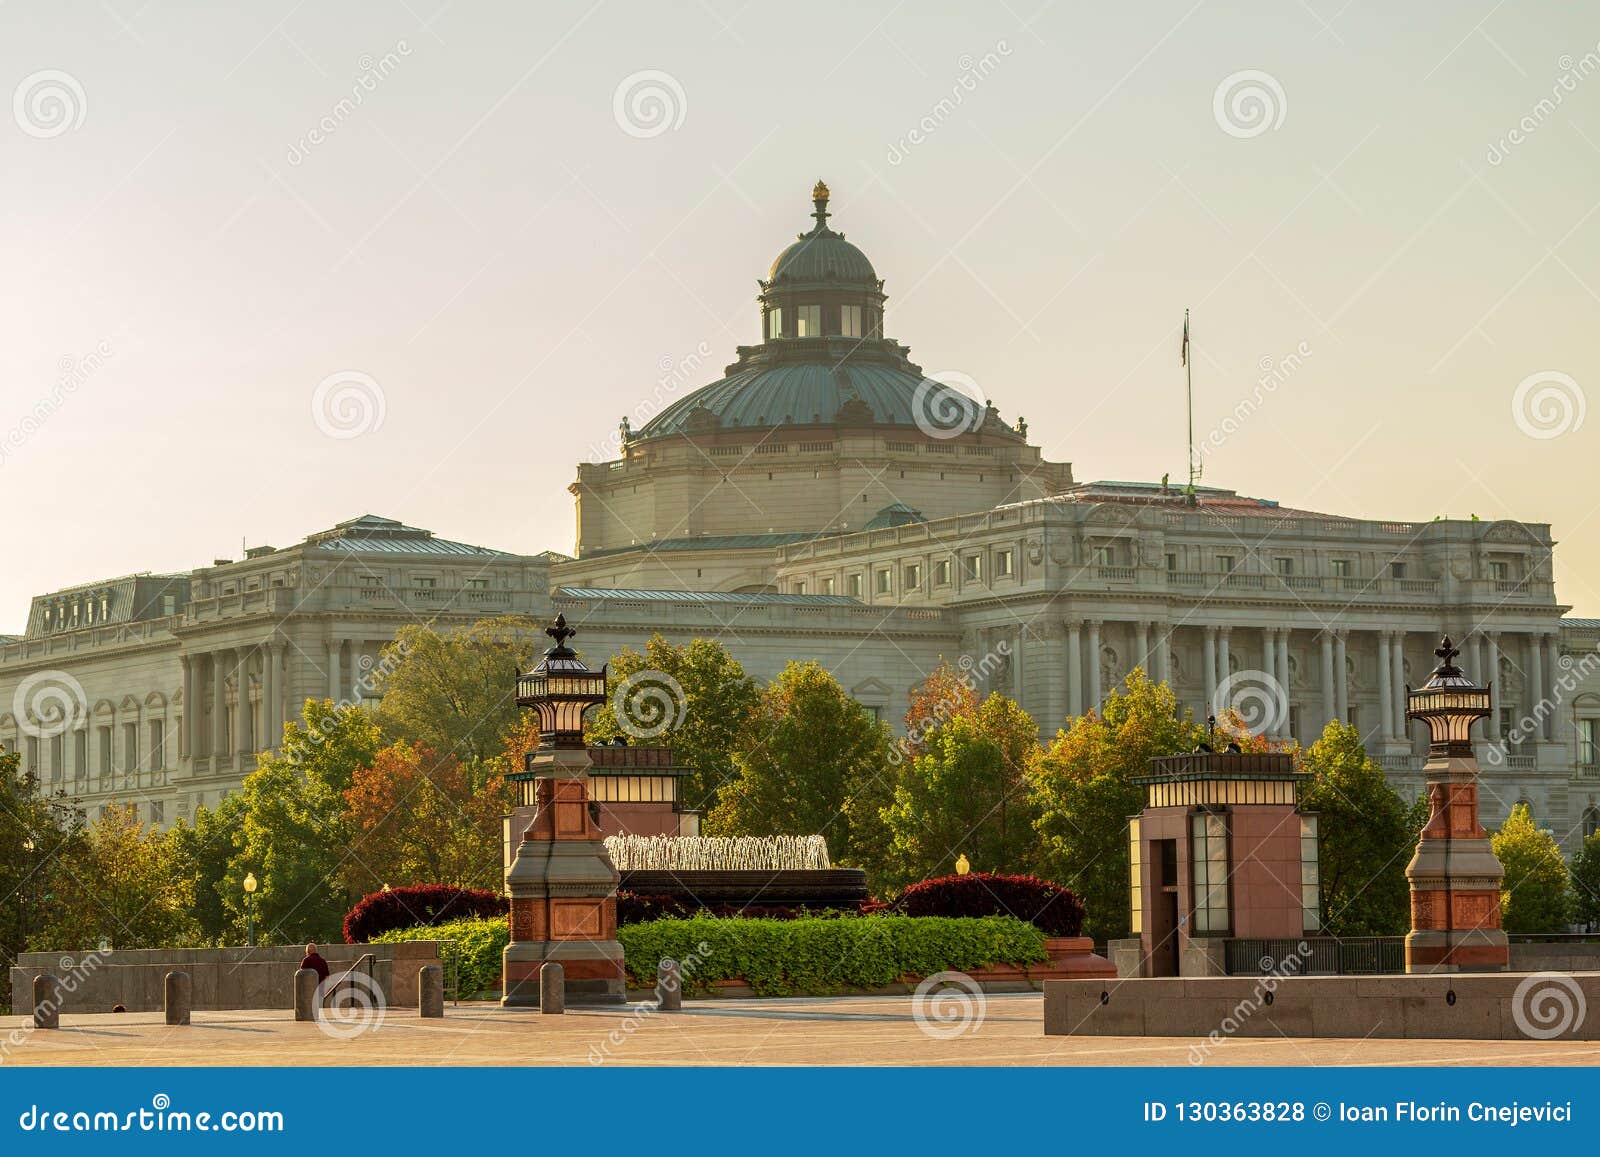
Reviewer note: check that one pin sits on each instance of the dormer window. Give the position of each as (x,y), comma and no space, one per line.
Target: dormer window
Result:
(808,321)
(775,322)
(850,320)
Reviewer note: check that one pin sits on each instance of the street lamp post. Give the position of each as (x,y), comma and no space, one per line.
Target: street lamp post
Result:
(250,887)
(28,846)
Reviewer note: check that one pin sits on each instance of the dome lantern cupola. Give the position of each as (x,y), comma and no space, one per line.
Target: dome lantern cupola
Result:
(821,286)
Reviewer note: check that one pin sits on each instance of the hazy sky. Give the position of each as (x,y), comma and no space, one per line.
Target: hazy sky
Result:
(449,212)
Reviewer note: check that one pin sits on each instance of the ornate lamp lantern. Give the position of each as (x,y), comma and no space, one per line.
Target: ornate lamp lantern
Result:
(561,690)
(562,885)
(1454,876)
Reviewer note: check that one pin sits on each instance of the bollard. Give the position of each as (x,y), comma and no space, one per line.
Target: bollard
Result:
(669,985)
(179,997)
(46,1001)
(430,991)
(552,987)
(305,994)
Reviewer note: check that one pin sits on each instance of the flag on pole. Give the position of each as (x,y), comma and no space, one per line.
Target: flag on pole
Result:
(1183,347)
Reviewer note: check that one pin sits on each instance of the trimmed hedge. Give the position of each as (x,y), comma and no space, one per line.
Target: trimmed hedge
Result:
(821,954)
(1053,909)
(417,906)
(480,947)
(775,957)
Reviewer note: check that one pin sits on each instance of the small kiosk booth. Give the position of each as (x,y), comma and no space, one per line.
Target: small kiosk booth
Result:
(1221,850)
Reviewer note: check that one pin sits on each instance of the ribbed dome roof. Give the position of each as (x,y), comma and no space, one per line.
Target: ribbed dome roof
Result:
(798,393)
(822,254)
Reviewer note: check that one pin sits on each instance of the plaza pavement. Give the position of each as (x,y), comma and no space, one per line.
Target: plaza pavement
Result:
(834,1031)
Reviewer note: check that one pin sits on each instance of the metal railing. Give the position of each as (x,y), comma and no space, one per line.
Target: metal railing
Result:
(1327,956)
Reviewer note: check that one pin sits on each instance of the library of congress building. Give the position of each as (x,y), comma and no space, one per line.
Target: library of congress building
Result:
(824,499)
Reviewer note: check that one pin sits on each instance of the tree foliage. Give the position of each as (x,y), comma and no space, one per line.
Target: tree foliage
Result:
(1586,882)
(416,817)
(700,709)
(1533,895)
(810,761)
(967,792)
(1367,835)
(455,691)
(1085,794)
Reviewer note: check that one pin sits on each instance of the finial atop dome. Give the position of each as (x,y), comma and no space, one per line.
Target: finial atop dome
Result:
(819,198)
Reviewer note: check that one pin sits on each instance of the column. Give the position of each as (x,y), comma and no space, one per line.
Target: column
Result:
(1224,666)
(1019,684)
(1397,683)
(1330,706)
(1094,664)
(1341,677)
(219,706)
(1536,704)
(1163,659)
(1074,668)
(1287,730)
(186,736)
(1385,687)
(244,727)
(1209,662)
(1492,726)
(1142,646)
(335,679)
(270,723)
(1552,670)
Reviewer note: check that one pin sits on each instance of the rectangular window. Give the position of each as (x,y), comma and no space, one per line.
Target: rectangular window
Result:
(808,321)
(883,582)
(941,573)
(972,567)
(1397,570)
(850,320)
(130,747)
(80,753)
(58,757)
(1310,877)
(913,576)
(104,767)
(423,583)
(799,586)
(855,585)
(1500,571)
(1225,563)
(1284,566)
(158,811)
(477,584)
(775,323)
(827,585)
(1135,882)
(158,743)
(1209,872)
(1104,556)
(1588,753)
(1003,562)
(1342,568)
(169,604)
(33,757)
(1172,561)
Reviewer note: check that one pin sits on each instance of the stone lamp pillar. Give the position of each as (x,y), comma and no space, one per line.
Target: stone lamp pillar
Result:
(1455,878)
(563,886)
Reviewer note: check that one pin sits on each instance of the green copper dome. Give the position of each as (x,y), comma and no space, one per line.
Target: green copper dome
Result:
(822,255)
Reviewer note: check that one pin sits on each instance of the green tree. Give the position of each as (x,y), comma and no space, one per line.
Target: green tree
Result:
(966,793)
(292,831)
(455,691)
(700,709)
(1366,836)
(201,853)
(811,761)
(1586,882)
(1084,793)
(1533,896)
(40,838)
(121,888)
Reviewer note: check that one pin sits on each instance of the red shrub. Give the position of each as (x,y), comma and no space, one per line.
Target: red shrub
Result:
(633,908)
(1051,908)
(418,906)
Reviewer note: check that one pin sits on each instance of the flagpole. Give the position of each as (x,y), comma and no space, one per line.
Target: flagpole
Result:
(1188,377)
